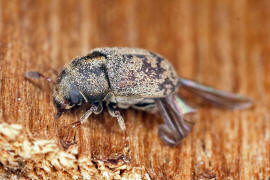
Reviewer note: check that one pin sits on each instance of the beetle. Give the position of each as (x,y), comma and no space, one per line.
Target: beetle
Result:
(132,77)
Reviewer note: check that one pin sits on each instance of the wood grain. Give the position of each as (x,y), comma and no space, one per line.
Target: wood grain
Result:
(224,43)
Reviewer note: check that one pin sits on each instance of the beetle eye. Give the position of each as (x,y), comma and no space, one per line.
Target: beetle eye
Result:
(74,97)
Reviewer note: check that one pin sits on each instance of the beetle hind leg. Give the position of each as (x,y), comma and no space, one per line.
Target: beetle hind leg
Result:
(175,127)
(166,135)
(116,113)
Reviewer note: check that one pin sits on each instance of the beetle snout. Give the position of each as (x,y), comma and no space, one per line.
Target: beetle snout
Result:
(59,108)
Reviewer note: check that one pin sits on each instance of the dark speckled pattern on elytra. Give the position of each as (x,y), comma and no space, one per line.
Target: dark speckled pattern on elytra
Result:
(137,72)
(125,72)
(148,69)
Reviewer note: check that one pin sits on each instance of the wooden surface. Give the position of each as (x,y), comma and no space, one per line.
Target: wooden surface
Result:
(223,43)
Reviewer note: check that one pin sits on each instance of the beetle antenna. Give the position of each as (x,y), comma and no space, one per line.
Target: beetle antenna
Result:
(32,76)
(37,75)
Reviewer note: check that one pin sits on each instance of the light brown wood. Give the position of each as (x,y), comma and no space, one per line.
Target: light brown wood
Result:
(225,44)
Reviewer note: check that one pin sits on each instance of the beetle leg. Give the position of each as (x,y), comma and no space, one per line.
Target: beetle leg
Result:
(110,97)
(175,127)
(166,135)
(115,113)
(149,107)
(169,127)
(182,110)
(99,109)
(95,108)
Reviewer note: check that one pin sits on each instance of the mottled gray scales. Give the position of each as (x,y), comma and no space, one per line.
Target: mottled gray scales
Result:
(137,72)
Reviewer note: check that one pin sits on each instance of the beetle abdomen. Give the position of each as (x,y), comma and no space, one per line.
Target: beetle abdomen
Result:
(139,73)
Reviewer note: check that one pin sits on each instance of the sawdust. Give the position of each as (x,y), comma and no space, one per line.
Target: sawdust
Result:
(24,157)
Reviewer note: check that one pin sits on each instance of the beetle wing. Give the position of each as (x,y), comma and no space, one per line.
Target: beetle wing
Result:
(224,99)
(175,127)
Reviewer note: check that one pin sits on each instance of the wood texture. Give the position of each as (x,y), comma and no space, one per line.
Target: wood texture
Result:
(223,43)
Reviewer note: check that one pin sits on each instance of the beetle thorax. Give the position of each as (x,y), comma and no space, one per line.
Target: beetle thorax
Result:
(82,81)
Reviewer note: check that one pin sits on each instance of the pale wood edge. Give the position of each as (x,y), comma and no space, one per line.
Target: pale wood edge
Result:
(25,157)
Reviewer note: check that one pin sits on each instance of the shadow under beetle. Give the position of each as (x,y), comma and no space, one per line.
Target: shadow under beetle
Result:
(137,78)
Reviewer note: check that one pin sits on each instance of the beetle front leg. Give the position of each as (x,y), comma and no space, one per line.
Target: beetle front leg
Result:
(95,108)
(115,113)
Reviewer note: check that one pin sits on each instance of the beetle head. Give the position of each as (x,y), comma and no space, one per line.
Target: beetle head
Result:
(66,98)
